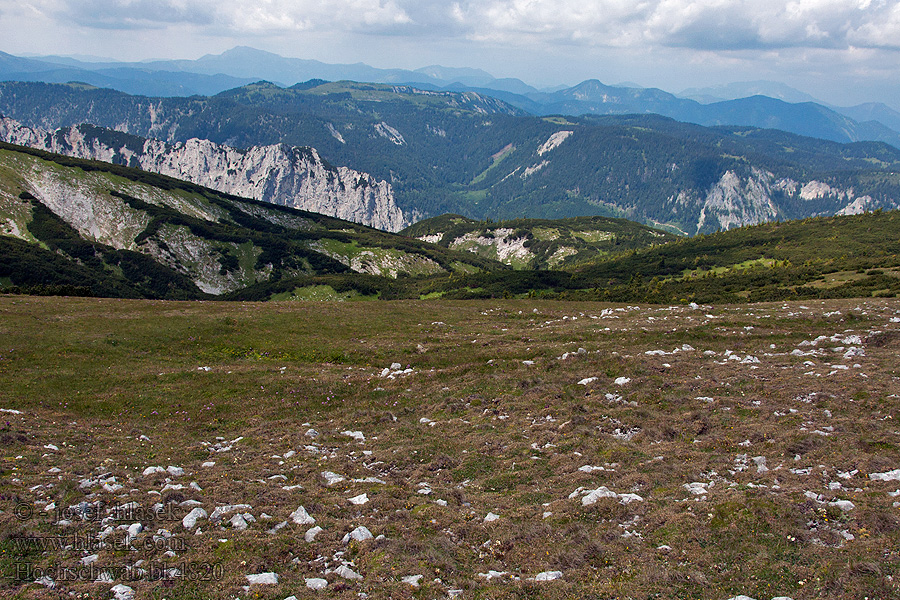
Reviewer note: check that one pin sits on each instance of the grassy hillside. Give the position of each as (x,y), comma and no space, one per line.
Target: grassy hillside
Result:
(135,234)
(631,451)
(539,243)
(93,228)
(835,257)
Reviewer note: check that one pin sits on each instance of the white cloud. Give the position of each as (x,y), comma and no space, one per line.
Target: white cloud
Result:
(287,15)
(237,16)
(701,24)
(126,14)
(883,33)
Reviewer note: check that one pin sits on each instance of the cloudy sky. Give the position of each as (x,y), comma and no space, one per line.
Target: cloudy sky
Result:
(841,51)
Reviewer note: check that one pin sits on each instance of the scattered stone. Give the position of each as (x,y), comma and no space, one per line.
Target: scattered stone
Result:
(359,500)
(332,478)
(888,476)
(301,517)
(491,517)
(360,534)
(316,583)
(190,520)
(347,573)
(587,380)
(548,576)
(697,488)
(591,497)
(412,580)
(311,534)
(275,529)
(491,574)
(122,592)
(622,380)
(263,579)
(844,505)
(239,522)
(220,511)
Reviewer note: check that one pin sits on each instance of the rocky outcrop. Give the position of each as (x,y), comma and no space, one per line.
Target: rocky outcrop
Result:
(734,202)
(759,197)
(289,176)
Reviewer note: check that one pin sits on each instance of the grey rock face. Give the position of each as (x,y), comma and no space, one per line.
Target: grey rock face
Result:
(289,176)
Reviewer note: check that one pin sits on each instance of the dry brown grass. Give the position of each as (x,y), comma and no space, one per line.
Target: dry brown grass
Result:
(92,376)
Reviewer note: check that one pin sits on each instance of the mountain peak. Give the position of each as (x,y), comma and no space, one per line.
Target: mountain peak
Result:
(245,52)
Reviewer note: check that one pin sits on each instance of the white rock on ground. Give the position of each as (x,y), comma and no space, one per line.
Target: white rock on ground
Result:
(412,580)
(277,527)
(603,492)
(587,380)
(347,573)
(548,576)
(220,511)
(134,530)
(122,592)
(359,500)
(844,505)
(301,517)
(491,517)
(697,488)
(622,381)
(888,476)
(263,579)
(360,534)
(190,520)
(332,478)
(491,574)
(239,522)
(310,535)
(316,583)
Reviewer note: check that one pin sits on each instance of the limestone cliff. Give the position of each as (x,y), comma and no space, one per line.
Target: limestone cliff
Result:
(289,176)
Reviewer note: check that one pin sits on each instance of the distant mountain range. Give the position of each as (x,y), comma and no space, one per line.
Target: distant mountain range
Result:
(755,104)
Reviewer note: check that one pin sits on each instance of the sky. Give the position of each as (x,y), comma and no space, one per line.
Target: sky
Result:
(843,52)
